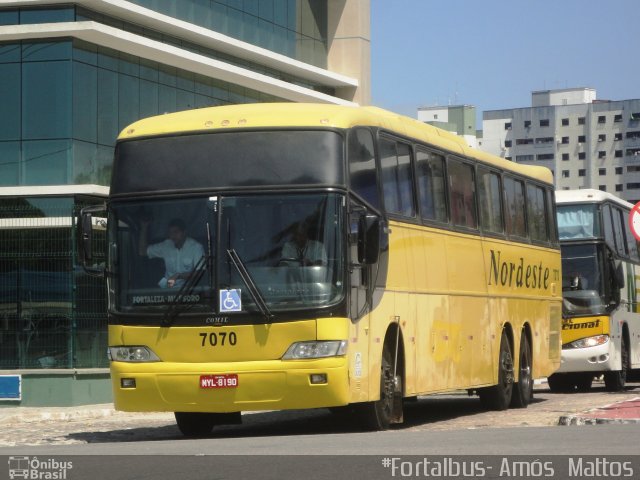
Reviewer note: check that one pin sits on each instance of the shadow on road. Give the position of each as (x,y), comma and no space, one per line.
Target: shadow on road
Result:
(424,411)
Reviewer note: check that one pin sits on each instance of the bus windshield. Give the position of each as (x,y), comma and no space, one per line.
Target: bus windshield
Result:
(583,288)
(179,251)
(578,221)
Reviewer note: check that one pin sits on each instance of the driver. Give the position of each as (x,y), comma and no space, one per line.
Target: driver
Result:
(179,252)
(300,248)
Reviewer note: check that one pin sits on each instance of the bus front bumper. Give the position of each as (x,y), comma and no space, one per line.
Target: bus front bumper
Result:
(588,359)
(263,385)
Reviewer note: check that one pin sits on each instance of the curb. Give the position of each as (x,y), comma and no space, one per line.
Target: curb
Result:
(589,418)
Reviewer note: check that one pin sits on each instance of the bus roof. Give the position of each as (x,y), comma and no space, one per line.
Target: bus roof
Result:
(589,195)
(288,115)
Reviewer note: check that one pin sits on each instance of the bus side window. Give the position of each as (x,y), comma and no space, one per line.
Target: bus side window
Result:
(536,213)
(462,195)
(632,244)
(397,177)
(489,193)
(552,217)
(431,186)
(515,207)
(619,231)
(362,166)
(609,236)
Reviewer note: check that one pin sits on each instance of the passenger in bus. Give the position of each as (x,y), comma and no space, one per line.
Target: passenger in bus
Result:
(180,252)
(301,249)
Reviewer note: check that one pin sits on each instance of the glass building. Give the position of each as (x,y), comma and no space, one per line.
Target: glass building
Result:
(72,76)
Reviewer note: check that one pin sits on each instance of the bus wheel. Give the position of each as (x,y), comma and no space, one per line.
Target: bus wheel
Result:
(379,415)
(498,397)
(614,381)
(523,390)
(195,424)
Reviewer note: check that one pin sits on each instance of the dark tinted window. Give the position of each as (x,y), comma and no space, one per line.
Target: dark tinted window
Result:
(397,179)
(362,166)
(462,194)
(514,208)
(489,193)
(431,186)
(536,213)
(618,228)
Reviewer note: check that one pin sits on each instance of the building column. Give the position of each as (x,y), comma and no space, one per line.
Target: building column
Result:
(349,46)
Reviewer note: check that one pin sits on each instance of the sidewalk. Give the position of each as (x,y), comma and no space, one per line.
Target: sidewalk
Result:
(38,414)
(627,411)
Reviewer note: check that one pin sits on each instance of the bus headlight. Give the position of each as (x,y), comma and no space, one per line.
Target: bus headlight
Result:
(316,349)
(589,342)
(136,353)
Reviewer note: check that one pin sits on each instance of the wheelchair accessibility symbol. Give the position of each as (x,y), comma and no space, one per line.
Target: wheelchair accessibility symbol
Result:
(230,301)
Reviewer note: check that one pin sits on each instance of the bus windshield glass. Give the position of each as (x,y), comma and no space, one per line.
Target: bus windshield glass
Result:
(179,251)
(583,289)
(578,222)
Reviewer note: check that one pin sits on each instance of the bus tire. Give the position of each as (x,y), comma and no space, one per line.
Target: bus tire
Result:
(498,397)
(583,382)
(378,415)
(614,381)
(193,424)
(523,389)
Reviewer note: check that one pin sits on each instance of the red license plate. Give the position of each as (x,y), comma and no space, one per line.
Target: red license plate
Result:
(228,380)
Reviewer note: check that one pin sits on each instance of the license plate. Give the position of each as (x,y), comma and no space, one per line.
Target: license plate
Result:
(227,380)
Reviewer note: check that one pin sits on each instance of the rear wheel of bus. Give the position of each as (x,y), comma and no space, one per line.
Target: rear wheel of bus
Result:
(498,397)
(523,389)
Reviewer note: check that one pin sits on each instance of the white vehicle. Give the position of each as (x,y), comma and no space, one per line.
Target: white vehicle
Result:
(600,271)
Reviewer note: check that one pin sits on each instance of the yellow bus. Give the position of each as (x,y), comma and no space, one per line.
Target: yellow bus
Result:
(600,273)
(293,256)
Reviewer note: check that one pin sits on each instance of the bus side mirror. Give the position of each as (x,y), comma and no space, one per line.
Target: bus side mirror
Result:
(86,237)
(86,223)
(368,239)
(619,273)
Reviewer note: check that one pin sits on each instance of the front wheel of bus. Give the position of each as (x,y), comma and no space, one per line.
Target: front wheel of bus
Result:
(498,397)
(523,390)
(193,424)
(615,381)
(379,415)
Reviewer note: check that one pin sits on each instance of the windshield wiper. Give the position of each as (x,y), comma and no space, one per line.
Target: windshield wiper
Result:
(186,289)
(257,297)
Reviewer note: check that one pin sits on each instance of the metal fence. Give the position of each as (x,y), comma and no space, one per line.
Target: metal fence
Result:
(52,314)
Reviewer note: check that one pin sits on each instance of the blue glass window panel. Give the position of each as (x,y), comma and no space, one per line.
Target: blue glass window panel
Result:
(85,102)
(185,100)
(265,34)
(266,10)
(107,106)
(84,162)
(203,101)
(167,75)
(128,100)
(108,58)
(104,164)
(237,4)
(167,99)
(10,101)
(9,163)
(250,27)
(203,86)
(39,51)
(149,70)
(220,90)
(10,52)
(129,64)
(234,23)
(251,6)
(185,80)
(46,100)
(46,162)
(280,40)
(85,52)
(48,15)
(280,12)
(218,17)
(148,98)
(202,13)
(292,15)
(9,17)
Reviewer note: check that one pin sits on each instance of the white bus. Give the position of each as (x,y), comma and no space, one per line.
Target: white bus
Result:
(600,271)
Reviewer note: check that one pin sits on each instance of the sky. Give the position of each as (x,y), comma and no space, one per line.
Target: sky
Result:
(494,53)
